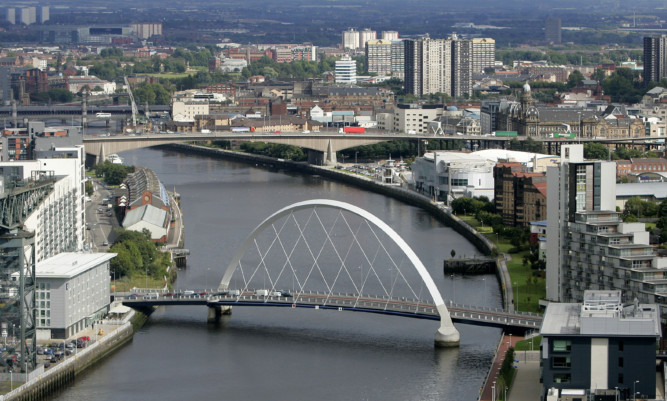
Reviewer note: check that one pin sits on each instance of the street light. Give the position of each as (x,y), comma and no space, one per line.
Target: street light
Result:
(355,157)
(516,300)
(616,393)
(493,391)
(634,389)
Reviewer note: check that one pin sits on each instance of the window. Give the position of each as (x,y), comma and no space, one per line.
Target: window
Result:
(620,362)
(562,378)
(561,362)
(620,345)
(620,378)
(562,345)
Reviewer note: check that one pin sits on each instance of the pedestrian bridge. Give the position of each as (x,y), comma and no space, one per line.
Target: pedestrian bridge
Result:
(464,314)
(326,254)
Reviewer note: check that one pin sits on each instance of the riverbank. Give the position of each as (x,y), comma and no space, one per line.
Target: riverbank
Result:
(42,383)
(436,209)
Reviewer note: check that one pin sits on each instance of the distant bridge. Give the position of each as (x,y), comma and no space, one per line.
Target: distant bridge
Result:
(323,145)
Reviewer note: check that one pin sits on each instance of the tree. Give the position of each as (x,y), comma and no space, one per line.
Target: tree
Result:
(575,77)
(596,151)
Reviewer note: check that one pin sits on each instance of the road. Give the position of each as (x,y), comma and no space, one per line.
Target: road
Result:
(99,226)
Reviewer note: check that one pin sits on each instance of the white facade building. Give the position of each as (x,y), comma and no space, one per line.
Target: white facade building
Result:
(346,70)
(389,35)
(73,291)
(483,54)
(58,221)
(364,36)
(446,175)
(413,118)
(350,39)
(187,110)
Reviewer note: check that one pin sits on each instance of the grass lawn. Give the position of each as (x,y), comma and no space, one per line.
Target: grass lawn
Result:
(525,344)
(171,75)
(529,292)
(139,281)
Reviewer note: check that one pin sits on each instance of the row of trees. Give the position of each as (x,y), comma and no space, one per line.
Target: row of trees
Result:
(598,151)
(286,152)
(137,254)
(113,174)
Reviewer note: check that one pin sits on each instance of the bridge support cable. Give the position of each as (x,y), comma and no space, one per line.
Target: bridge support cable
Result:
(335,254)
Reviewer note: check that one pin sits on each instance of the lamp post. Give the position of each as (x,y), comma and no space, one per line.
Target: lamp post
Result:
(355,157)
(516,300)
(493,391)
(616,393)
(634,389)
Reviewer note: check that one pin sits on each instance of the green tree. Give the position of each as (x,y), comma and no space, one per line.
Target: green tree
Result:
(596,151)
(575,77)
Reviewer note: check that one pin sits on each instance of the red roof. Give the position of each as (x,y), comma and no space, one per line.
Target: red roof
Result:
(541,187)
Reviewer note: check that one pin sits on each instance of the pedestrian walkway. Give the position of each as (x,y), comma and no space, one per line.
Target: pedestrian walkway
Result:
(489,390)
(526,385)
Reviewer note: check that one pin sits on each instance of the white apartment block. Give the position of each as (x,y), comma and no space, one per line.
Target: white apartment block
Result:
(188,109)
(414,118)
(389,35)
(59,220)
(350,39)
(346,70)
(589,246)
(72,293)
(364,36)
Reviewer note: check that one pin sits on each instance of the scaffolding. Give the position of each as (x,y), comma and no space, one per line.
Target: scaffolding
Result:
(18,199)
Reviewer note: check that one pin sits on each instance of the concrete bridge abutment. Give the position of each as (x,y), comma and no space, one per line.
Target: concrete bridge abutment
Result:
(216,312)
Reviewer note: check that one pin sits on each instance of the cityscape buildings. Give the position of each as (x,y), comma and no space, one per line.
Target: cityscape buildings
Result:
(655,58)
(438,66)
(591,248)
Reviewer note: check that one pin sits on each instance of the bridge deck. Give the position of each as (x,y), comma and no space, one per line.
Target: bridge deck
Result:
(347,302)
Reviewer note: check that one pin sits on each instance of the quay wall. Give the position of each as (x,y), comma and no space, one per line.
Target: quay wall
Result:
(60,376)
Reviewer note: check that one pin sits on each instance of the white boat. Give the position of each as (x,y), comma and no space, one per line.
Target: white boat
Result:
(115,159)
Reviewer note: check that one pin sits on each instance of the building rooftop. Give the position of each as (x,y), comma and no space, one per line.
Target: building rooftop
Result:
(601,315)
(70,264)
(656,189)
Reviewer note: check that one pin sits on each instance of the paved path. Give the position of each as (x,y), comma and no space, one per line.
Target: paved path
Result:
(488,389)
(526,386)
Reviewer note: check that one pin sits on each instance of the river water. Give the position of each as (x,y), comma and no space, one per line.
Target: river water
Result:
(289,354)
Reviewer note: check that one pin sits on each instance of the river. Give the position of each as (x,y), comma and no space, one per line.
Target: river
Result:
(291,354)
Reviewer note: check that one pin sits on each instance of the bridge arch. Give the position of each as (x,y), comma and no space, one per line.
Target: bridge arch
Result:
(447,335)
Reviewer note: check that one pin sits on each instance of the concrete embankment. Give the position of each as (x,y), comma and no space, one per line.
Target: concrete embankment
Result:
(438,210)
(42,383)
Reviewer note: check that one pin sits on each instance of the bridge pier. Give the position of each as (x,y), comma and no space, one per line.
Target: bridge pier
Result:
(326,158)
(447,336)
(216,312)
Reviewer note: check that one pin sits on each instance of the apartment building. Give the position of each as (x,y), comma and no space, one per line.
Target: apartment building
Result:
(591,248)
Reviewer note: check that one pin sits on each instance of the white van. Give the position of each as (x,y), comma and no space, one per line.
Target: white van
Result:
(152,295)
(262,293)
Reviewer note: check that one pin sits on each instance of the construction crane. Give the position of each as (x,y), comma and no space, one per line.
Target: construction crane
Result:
(134,105)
